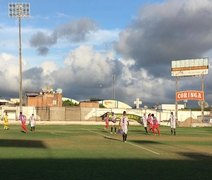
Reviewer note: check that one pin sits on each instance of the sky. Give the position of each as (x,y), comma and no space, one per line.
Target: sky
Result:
(79,46)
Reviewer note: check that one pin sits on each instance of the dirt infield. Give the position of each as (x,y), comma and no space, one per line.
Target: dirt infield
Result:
(190,122)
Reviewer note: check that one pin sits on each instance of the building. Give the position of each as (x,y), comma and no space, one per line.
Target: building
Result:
(47,98)
(170,107)
(114,104)
(3,102)
(89,104)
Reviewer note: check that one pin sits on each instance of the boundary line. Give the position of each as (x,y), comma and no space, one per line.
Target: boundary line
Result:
(135,145)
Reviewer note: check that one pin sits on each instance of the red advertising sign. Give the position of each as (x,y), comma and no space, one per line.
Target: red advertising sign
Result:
(190,95)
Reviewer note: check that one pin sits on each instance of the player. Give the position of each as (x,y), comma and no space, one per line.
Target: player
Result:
(124,123)
(172,121)
(106,119)
(113,121)
(6,121)
(22,118)
(32,122)
(150,122)
(156,125)
(145,122)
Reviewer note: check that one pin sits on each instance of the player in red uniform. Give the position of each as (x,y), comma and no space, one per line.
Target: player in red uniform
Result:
(156,125)
(22,118)
(106,119)
(150,123)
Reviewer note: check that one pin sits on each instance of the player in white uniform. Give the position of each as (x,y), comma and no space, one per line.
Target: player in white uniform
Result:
(113,121)
(145,122)
(32,122)
(173,122)
(124,123)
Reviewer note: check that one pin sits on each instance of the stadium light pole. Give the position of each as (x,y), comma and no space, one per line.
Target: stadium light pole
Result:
(19,11)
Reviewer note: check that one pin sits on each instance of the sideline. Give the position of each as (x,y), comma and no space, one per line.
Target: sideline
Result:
(135,145)
(15,122)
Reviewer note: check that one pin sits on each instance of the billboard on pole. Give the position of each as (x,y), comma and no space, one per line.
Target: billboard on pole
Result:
(190,95)
(189,67)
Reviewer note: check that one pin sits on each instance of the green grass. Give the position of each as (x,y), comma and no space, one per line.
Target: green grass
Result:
(89,152)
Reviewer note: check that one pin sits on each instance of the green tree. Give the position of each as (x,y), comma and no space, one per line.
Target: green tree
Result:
(69,103)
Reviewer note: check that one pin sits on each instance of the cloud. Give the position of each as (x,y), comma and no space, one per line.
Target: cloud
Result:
(167,31)
(88,73)
(163,32)
(141,60)
(8,74)
(75,31)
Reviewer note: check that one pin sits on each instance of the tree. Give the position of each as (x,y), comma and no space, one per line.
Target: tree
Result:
(69,103)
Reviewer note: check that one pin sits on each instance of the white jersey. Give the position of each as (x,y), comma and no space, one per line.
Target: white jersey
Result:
(124,124)
(113,119)
(32,121)
(145,121)
(172,120)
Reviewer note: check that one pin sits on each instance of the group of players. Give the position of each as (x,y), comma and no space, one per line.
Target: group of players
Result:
(117,126)
(23,120)
(150,123)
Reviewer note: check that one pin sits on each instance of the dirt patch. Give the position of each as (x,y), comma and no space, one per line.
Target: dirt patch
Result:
(188,122)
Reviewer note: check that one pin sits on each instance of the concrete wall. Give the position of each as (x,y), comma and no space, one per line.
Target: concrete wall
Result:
(91,114)
(59,113)
(13,112)
(72,114)
(43,113)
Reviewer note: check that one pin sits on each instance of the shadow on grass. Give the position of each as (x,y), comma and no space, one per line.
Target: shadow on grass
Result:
(199,156)
(21,143)
(111,138)
(145,142)
(107,169)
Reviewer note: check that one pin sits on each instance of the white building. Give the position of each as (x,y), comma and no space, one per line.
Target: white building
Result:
(170,107)
(114,104)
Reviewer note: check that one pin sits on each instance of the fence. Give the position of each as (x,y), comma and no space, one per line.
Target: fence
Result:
(94,114)
(59,113)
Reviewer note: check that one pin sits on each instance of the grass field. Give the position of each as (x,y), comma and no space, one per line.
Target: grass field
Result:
(88,152)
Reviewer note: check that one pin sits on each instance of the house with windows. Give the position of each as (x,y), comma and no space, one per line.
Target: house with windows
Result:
(45,98)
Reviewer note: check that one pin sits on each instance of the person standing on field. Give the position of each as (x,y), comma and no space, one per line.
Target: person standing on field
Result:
(113,125)
(22,118)
(32,122)
(150,122)
(156,125)
(106,119)
(173,122)
(6,121)
(145,122)
(124,123)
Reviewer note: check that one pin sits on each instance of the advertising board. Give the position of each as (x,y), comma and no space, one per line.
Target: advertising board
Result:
(189,67)
(190,95)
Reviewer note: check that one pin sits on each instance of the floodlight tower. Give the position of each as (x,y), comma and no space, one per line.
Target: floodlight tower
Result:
(19,11)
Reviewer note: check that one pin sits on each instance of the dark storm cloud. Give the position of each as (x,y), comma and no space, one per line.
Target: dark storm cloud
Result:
(41,38)
(33,73)
(34,76)
(161,33)
(43,51)
(74,31)
(94,81)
